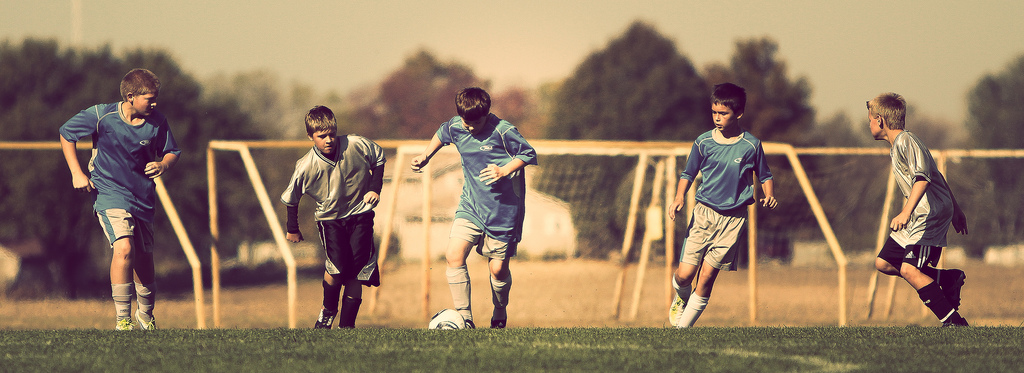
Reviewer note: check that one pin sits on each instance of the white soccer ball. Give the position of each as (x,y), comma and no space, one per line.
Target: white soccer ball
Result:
(447,319)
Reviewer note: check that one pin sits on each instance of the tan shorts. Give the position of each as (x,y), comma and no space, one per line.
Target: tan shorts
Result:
(118,224)
(485,245)
(712,236)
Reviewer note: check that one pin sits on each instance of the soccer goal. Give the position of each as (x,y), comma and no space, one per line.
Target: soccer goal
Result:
(575,189)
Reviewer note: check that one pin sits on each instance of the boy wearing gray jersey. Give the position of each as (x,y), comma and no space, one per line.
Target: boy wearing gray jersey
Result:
(344,175)
(919,230)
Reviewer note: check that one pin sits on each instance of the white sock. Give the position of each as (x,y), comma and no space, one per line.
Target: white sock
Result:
(458,283)
(683,292)
(122,294)
(694,307)
(146,298)
(499,296)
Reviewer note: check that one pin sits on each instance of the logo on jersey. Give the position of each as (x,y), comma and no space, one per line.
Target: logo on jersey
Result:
(486,148)
(144,142)
(738,160)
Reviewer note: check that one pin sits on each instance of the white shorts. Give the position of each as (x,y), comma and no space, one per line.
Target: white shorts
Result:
(485,245)
(118,224)
(712,236)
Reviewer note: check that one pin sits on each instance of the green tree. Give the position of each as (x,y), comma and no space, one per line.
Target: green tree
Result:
(995,112)
(41,86)
(640,88)
(637,88)
(778,108)
(414,100)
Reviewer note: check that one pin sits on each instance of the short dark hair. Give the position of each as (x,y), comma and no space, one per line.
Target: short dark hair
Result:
(731,96)
(320,118)
(472,103)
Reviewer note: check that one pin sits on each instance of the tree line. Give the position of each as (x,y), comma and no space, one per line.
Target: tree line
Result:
(638,87)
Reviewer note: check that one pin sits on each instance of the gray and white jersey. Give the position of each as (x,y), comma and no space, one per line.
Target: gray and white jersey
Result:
(338,182)
(931,218)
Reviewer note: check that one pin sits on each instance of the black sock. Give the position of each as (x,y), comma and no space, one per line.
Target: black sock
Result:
(936,301)
(349,310)
(331,295)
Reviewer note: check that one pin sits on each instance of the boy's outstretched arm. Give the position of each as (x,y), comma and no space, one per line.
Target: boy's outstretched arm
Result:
(421,160)
(768,187)
(79,180)
(680,201)
(916,192)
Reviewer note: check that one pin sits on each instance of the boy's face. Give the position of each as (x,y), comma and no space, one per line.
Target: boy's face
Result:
(324,141)
(474,126)
(724,117)
(143,104)
(875,122)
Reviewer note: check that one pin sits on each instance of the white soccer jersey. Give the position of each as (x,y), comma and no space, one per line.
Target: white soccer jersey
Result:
(931,218)
(337,183)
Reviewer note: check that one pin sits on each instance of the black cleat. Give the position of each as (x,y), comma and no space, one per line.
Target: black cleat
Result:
(498,324)
(325,319)
(951,285)
(470,324)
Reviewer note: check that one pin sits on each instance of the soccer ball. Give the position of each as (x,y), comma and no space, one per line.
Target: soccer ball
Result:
(447,319)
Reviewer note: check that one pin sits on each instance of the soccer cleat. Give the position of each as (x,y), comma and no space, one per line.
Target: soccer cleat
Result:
(951,287)
(325,320)
(498,324)
(675,313)
(470,324)
(151,325)
(124,324)
(958,322)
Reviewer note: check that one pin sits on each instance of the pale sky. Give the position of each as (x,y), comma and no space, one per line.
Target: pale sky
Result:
(932,52)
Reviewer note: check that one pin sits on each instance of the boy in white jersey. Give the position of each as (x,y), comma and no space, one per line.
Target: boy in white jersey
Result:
(919,230)
(344,175)
(491,209)
(132,145)
(726,156)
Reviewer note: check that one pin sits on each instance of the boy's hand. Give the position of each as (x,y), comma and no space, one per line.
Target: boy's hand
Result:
(82,183)
(294,237)
(418,162)
(899,222)
(492,173)
(371,198)
(959,221)
(769,202)
(155,169)
(677,205)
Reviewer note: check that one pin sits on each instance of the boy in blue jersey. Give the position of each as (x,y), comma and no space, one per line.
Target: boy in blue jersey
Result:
(726,156)
(344,175)
(919,230)
(491,210)
(132,144)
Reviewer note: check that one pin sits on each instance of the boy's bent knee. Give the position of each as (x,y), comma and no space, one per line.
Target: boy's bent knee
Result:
(885,267)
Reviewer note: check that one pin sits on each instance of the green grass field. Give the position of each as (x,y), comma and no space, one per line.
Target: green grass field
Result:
(707,349)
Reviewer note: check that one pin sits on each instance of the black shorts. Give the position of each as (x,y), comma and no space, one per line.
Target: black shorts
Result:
(916,255)
(349,246)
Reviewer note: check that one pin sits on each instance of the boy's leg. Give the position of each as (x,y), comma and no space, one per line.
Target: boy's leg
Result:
(121,281)
(927,289)
(682,282)
(501,286)
(698,300)
(145,276)
(951,281)
(458,276)
(332,292)
(350,303)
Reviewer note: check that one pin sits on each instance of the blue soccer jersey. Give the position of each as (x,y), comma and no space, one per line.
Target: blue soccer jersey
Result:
(727,167)
(123,150)
(499,208)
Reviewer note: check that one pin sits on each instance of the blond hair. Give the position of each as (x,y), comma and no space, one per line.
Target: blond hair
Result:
(139,82)
(891,107)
